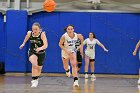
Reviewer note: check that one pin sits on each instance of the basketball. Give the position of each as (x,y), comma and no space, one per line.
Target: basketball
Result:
(49,5)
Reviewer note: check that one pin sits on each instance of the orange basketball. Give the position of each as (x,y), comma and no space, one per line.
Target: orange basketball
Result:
(49,5)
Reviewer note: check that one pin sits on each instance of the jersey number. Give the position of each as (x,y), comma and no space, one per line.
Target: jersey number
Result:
(70,44)
(35,47)
(91,47)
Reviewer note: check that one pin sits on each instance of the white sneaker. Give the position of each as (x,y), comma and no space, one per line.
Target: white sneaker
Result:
(93,77)
(86,81)
(68,73)
(86,76)
(34,83)
(76,83)
(96,1)
(139,87)
(139,82)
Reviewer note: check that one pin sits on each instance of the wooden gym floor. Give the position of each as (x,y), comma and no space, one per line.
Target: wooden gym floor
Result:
(59,83)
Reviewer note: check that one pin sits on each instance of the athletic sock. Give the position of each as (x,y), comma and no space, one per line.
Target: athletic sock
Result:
(35,77)
(75,78)
(86,72)
(67,70)
(92,73)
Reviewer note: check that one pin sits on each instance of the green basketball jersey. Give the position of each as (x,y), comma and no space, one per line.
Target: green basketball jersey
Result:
(35,42)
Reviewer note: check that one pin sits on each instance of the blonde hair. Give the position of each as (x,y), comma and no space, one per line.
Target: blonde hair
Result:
(37,24)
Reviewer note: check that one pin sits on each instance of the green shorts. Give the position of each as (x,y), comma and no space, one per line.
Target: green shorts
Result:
(41,57)
(78,56)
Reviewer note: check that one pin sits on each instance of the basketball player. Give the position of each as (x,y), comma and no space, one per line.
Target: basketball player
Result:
(79,53)
(67,44)
(90,54)
(36,53)
(134,53)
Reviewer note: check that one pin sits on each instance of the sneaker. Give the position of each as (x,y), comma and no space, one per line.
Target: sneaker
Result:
(76,83)
(86,76)
(139,82)
(96,1)
(139,87)
(86,81)
(93,77)
(34,83)
(68,73)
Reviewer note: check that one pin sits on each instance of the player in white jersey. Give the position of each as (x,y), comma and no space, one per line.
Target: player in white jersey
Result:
(134,53)
(90,53)
(67,44)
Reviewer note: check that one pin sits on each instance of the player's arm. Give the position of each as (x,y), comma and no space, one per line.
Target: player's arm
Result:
(61,43)
(25,39)
(101,45)
(45,41)
(81,46)
(82,40)
(136,48)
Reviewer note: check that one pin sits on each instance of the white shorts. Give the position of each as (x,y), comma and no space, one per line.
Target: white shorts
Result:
(64,54)
(91,55)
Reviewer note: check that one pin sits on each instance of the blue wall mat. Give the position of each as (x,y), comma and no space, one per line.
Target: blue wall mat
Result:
(2,36)
(16,30)
(119,33)
(50,24)
(115,31)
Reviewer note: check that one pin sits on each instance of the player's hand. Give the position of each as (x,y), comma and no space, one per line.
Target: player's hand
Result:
(105,50)
(38,49)
(134,53)
(77,49)
(82,54)
(21,46)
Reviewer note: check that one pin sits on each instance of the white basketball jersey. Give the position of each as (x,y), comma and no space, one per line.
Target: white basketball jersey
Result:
(91,44)
(69,43)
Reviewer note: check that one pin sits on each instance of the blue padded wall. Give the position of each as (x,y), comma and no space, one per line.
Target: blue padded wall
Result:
(118,32)
(2,36)
(16,28)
